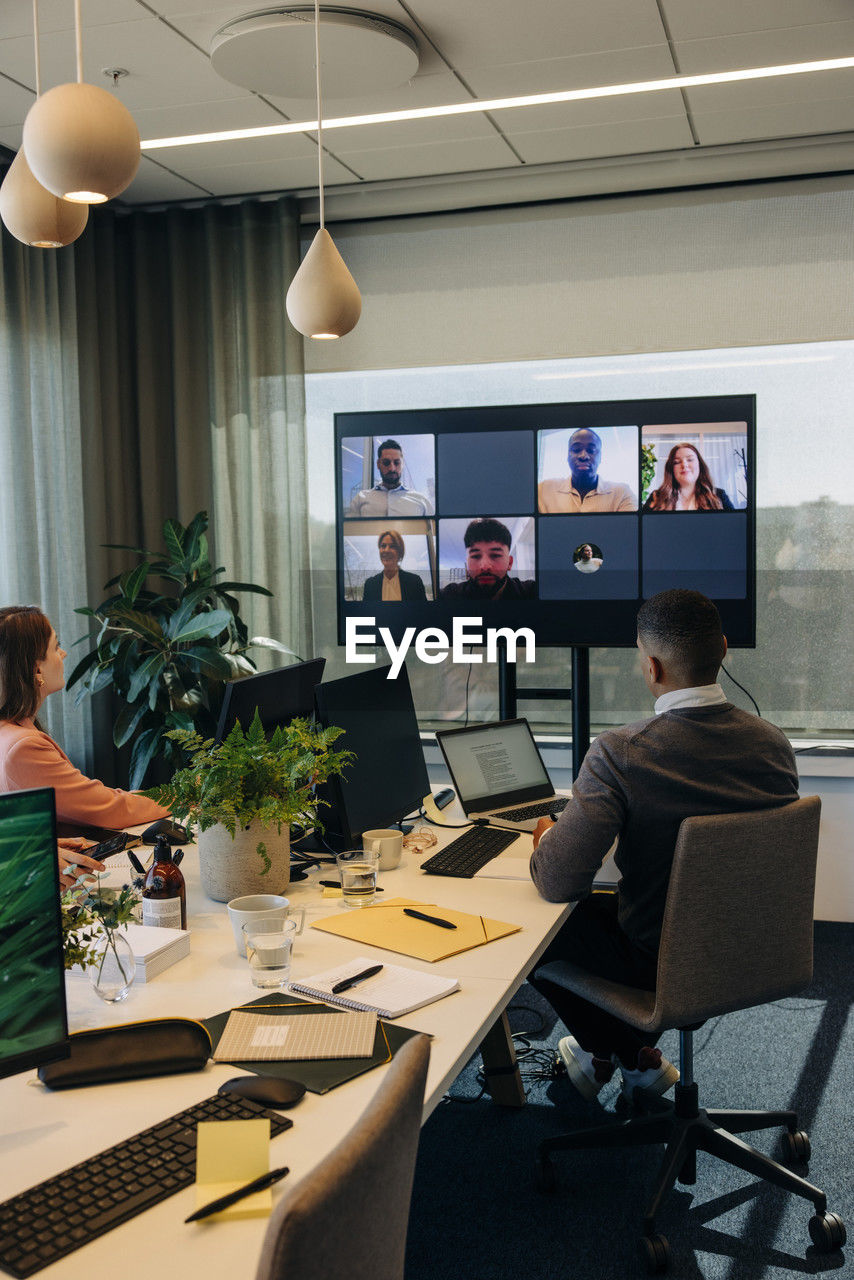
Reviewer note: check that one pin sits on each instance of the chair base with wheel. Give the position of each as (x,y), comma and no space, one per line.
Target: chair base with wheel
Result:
(684,1128)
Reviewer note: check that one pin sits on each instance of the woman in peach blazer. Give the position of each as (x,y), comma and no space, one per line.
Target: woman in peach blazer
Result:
(32,668)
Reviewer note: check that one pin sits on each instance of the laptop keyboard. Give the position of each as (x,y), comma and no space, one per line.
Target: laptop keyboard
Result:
(465,856)
(54,1218)
(541,810)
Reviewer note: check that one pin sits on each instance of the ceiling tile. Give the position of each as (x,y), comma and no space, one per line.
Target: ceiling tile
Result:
(783,91)
(278,175)
(241,151)
(432,158)
(153,182)
(563,115)
(767,49)
(551,75)
(624,139)
(480,34)
(422,91)
(248,112)
(689,19)
(16,16)
(803,119)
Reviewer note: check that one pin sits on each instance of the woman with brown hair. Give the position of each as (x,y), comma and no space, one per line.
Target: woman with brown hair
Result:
(687,484)
(393,583)
(32,668)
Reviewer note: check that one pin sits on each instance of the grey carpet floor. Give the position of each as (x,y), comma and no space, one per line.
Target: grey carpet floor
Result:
(476,1211)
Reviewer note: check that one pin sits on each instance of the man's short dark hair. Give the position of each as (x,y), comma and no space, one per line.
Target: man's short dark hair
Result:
(487,531)
(683,628)
(578,431)
(388,444)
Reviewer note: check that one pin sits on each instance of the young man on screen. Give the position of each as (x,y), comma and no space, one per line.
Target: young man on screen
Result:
(390,497)
(488,564)
(584,489)
(698,754)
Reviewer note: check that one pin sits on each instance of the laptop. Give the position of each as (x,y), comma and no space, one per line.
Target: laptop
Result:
(499,774)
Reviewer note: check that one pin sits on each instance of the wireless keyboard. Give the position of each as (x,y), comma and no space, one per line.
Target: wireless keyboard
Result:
(60,1215)
(541,810)
(465,856)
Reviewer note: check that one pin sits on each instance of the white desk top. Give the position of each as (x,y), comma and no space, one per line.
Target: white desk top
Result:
(42,1133)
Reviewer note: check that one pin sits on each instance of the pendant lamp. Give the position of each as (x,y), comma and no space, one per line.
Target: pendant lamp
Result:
(80,141)
(32,214)
(323,300)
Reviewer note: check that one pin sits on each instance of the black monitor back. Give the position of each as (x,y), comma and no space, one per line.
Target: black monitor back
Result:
(279,696)
(33,1025)
(388,778)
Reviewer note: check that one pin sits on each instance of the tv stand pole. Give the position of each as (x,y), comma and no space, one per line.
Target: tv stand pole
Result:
(509,694)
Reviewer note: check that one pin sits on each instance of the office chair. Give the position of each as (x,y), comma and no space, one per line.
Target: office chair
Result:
(347,1219)
(737,932)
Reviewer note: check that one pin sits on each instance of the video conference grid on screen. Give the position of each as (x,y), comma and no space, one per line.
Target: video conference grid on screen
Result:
(559,517)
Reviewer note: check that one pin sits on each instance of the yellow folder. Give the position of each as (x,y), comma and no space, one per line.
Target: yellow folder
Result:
(384,925)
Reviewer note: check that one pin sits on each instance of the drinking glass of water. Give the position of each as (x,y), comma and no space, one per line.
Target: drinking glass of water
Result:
(358,872)
(269,945)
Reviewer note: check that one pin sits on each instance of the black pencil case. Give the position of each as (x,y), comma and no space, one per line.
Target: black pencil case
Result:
(130,1051)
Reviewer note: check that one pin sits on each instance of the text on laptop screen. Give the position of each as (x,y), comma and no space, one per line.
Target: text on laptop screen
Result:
(493,761)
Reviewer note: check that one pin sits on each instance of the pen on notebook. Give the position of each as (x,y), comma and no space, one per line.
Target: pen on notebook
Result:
(336,884)
(421,915)
(223,1202)
(347,983)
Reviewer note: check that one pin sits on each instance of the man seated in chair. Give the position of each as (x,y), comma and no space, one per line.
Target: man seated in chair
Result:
(698,754)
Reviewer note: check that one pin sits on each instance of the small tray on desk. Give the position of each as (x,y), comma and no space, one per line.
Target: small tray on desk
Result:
(317,1076)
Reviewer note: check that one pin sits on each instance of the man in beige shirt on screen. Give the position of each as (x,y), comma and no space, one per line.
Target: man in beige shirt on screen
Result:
(584,489)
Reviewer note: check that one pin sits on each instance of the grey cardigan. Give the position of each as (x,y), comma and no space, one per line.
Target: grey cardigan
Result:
(637,784)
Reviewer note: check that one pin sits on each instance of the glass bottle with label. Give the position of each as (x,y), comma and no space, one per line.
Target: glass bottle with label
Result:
(164,896)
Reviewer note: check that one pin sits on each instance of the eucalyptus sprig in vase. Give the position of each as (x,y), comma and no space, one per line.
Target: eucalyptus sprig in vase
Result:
(92,922)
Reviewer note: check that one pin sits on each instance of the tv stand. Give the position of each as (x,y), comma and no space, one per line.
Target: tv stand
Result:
(579,695)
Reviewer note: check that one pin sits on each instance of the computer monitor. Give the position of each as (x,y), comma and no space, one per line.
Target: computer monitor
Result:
(279,696)
(388,778)
(33,1022)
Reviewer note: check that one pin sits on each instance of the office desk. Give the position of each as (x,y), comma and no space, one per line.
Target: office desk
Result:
(42,1133)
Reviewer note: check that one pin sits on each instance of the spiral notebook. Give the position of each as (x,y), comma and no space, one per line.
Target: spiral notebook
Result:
(392,992)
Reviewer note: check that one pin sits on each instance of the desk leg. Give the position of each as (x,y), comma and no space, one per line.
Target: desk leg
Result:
(498,1054)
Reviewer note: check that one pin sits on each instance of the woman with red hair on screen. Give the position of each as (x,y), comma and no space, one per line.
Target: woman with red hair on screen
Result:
(32,668)
(687,484)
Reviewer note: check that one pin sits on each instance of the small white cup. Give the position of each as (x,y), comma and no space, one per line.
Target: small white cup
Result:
(256,907)
(388,843)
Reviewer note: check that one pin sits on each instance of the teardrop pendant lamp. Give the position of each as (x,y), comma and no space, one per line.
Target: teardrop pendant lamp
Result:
(323,300)
(32,214)
(80,141)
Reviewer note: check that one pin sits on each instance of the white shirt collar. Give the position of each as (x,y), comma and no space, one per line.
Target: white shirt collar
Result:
(704,695)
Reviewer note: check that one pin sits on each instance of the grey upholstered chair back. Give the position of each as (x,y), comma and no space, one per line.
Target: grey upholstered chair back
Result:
(738,923)
(347,1220)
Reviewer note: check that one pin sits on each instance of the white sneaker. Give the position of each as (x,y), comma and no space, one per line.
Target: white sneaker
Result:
(653,1072)
(587,1073)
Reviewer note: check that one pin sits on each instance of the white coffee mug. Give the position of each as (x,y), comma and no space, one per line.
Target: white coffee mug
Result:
(388,843)
(256,907)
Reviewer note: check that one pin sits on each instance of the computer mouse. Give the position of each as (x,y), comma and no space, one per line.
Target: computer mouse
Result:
(173,831)
(270,1091)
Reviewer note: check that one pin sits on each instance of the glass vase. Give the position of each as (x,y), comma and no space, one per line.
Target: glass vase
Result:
(113,972)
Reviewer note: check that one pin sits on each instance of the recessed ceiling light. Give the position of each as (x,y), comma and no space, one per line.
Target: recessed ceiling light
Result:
(503,104)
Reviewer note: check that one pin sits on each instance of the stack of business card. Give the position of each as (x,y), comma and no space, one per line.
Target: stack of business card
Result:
(155,949)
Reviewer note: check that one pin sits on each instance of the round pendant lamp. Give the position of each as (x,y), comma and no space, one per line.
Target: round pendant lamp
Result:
(323,300)
(34,215)
(80,141)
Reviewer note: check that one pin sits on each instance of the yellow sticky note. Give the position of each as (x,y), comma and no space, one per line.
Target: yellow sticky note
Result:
(230,1153)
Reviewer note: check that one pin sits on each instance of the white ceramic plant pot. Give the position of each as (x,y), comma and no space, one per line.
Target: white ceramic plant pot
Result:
(231,868)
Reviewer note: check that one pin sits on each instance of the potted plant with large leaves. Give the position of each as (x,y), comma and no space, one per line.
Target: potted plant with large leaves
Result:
(170,636)
(244,794)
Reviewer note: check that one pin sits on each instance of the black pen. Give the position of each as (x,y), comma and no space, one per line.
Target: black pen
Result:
(135,863)
(336,884)
(222,1202)
(420,915)
(347,983)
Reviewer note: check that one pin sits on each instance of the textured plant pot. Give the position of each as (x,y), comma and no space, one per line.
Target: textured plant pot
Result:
(231,868)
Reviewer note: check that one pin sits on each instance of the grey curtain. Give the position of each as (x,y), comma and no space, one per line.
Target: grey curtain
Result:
(184,391)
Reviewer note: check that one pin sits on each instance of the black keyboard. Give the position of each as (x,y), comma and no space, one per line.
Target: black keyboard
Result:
(541,810)
(60,1215)
(465,856)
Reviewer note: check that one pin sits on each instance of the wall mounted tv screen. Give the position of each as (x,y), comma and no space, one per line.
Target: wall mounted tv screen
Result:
(558,517)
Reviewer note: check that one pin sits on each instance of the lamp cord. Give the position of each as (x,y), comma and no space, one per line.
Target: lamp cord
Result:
(319,110)
(36,46)
(78,36)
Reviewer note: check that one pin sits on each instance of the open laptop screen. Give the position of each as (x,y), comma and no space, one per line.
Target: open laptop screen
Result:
(494,765)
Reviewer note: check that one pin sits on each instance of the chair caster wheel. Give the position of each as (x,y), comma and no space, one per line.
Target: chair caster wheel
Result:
(827,1232)
(545,1175)
(655,1254)
(795,1148)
